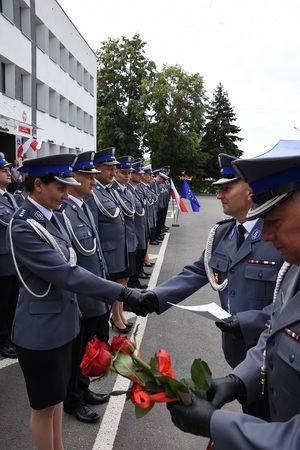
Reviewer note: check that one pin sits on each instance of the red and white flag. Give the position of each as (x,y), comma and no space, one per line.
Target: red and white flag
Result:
(36,144)
(24,147)
(177,197)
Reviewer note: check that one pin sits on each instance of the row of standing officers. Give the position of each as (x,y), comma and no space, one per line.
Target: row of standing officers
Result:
(111,215)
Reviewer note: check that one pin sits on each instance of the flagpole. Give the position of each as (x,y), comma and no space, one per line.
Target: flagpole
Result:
(175,215)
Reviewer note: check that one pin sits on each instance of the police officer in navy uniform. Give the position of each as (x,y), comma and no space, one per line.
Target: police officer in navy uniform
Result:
(244,277)
(109,217)
(47,313)
(107,213)
(273,364)
(9,283)
(151,201)
(159,180)
(125,201)
(76,217)
(140,223)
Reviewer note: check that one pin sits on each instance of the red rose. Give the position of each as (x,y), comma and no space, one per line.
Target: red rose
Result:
(123,344)
(97,359)
(163,361)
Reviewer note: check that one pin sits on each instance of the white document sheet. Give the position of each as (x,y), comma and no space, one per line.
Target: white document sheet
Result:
(210,311)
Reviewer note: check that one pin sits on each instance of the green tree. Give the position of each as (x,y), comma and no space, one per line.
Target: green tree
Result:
(121,116)
(177,107)
(220,133)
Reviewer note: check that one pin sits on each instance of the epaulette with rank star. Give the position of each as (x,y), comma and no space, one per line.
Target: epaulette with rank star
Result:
(22,213)
(62,207)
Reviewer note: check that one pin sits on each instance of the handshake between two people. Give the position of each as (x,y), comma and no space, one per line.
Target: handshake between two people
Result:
(139,302)
(196,418)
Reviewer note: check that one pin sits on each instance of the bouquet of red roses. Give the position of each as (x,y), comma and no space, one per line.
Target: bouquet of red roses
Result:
(152,382)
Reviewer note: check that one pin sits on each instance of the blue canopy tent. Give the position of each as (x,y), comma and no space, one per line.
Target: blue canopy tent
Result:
(282,148)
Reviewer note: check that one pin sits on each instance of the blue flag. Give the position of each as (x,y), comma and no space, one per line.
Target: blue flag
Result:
(188,193)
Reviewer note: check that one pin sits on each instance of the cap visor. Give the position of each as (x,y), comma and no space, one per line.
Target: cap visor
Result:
(261,209)
(110,163)
(88,171)
(224,181)
(67,180)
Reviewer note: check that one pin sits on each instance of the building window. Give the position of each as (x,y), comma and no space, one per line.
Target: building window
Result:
(63,109)
(72,114)
(91,90)
(79,118)
(53,48)
(72,66)
(42,94)
(8,79)
(92,125)
(7,9)
(86,124)
(25,21)
(26,88)
(79,76)
(42,36)
(2,74)
(63,58)
(53,103)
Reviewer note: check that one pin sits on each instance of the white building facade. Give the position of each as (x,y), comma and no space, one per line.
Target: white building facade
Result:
(48,78)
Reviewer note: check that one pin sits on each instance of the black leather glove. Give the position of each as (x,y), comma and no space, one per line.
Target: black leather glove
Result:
(225,390)
(231,325)
(193,419)
(150,301)
(132,298)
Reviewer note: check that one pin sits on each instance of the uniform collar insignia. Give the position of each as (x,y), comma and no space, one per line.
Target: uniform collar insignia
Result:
(255,234)
(39,216)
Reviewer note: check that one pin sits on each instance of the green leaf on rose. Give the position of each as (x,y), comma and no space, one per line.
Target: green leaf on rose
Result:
(124,365)
(145,378)
(201,376)
(184,397)
(141,412)
(115,393)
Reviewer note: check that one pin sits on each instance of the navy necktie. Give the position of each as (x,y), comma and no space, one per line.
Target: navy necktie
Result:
(240,235)
(54,221)
(85,210)
(6,195)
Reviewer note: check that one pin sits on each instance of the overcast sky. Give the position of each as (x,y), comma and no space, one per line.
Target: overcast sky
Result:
(251,46)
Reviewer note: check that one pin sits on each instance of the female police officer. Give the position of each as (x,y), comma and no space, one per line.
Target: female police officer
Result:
(47,313)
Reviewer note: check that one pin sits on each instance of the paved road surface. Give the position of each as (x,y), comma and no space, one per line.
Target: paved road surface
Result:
(184,335)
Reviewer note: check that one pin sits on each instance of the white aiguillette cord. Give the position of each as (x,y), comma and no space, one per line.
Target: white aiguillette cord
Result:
(281,274)
(47,237)
(207,256)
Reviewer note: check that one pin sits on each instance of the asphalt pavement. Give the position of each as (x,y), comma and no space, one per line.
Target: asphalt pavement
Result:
(184,335)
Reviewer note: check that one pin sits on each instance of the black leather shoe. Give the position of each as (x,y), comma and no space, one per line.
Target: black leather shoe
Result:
(144,276)
(166,229)
(136,284)
(84,414)
(120,330)
(149,265)
(8,351)
(91,398)
(140,286)
(154,243)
